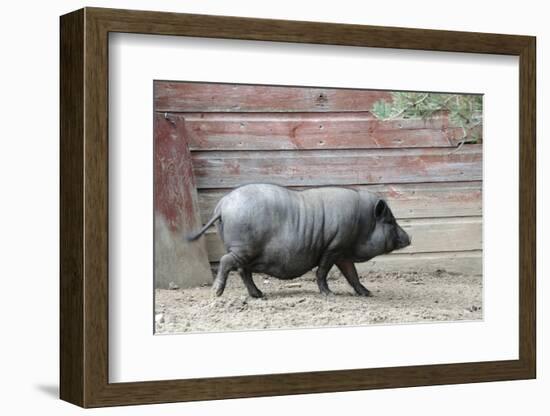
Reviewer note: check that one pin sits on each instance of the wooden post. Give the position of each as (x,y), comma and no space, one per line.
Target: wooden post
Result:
(177,262)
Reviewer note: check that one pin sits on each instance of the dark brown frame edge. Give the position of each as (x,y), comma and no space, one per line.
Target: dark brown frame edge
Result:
(84,209)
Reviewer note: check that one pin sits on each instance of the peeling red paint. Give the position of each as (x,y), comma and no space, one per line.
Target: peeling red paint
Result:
(174,179)
(198,97)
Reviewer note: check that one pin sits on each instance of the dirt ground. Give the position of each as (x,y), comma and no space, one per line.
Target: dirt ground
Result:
(396,298)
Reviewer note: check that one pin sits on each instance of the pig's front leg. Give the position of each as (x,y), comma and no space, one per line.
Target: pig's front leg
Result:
(246,276)
(347,267)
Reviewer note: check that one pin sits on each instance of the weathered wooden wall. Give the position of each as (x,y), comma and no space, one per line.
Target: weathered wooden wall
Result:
(302,137)
(176,211)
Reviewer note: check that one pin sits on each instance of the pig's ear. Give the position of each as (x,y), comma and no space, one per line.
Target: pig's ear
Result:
(380,209)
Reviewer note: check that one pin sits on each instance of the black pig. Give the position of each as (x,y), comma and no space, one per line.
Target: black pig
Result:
(285,233)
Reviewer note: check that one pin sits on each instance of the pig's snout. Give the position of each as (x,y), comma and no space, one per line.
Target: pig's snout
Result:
(404,240)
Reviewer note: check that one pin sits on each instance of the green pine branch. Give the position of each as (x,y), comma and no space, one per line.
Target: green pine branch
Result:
(464,110)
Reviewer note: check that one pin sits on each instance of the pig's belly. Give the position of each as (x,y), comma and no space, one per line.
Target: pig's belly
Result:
(284,265)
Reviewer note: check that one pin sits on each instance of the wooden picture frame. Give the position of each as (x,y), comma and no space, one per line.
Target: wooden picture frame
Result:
(84,207)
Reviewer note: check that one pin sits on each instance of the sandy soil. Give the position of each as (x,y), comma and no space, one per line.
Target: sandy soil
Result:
(396,298)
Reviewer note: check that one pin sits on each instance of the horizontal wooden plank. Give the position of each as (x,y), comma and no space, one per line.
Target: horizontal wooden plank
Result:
(414,200)
(199,97)
(463,262)
(443,234)
(270,131)
(428,235)
(337,167)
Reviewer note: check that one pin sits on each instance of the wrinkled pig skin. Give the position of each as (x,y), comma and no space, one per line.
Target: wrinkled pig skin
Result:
(285,233)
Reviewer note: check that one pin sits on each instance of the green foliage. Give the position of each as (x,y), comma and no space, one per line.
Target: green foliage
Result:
(382,109)
(465,110)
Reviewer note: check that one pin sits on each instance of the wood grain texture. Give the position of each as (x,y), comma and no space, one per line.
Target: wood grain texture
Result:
(196,97)
(274,131)
(244,28)
(176,211)
(96,210)
(528,209)
(342,167)
(460,262)
(89,306)
(308,382)
(71,287)
(252,133)
(174,182)
(222,134)
(411,200)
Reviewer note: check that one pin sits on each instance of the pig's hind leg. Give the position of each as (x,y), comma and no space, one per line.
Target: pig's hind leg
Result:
(246,276)
(321,275)
(228,262)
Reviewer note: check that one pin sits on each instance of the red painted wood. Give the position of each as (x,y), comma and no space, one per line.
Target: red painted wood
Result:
(176,212)
(300,137)
(199,97)
(337,167)
(174,182)
(270,131)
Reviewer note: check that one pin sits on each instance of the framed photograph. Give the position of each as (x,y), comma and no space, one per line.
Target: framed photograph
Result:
(255,207)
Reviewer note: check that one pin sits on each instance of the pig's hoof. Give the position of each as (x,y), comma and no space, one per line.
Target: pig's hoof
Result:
(217,290)
(256,294)
(364,292)
(327,293)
